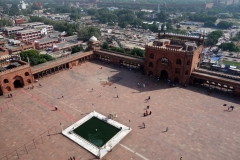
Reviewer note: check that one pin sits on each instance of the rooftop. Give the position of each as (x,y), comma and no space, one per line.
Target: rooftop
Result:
(28,31)
(71,38)
(46,40)
(32,23)
(12,28)
(42,26)
(64,44)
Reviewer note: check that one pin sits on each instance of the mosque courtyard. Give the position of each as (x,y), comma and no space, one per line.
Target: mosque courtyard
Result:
(199,126)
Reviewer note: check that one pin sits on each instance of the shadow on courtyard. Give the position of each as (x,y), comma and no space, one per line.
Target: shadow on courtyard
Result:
(137,80)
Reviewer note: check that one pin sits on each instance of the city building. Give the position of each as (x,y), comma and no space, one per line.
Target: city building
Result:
(22,5)
(3,51)
(37,4)
(19,21)
(49,28)
(66,43)
(31,25)
(13,47)
(28,35)
(11,30)
(45,42)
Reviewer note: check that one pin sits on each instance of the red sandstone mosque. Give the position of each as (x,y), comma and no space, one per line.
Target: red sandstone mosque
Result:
(172,56)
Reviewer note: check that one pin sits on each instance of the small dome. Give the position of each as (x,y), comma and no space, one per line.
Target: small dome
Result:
(93,39)
(165,28)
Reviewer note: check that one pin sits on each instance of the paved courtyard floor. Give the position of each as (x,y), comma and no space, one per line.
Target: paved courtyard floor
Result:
(199,127)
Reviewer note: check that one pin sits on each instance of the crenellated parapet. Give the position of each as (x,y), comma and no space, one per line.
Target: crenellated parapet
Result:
(167,49)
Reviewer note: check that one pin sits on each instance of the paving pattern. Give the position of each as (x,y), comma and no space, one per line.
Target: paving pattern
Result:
(199,126)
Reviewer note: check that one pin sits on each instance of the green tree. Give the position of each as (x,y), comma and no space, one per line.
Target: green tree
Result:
(137,52)
(14,11)
(236,37)
(47,57)
(123,24)
(34,57)
(212,38)
(201,17)
(87,32)
(154,27)
(116,49)
(5,22)
(92,11)
(105,45)
(137,22)
(209,24)
(224,24)
(229,47)
(162,16)
(111,24)
(141,14)
(75,16)
(76,49)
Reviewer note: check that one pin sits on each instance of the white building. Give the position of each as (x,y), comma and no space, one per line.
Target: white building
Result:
(22,5)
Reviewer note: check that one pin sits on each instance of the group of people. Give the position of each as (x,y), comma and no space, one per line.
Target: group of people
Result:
(230,108)
(147,113)
(72,158)
(10,95)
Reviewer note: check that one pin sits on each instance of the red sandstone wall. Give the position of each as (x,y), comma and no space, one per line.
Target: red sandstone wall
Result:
(196,58)
(8,77)
(172,56)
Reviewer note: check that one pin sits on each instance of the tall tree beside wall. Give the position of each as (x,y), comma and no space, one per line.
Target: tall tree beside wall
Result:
(34,57)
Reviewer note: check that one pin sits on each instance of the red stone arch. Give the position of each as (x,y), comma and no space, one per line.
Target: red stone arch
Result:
(18,82)
(164,66)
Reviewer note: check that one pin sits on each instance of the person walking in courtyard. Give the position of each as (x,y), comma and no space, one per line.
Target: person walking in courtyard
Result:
(74,158)
(146,112)
(147,107)
(56,108)
(150,112)
(92,89)
(166,129)
(230,107)
(143,125)
(147,99)
(117,96)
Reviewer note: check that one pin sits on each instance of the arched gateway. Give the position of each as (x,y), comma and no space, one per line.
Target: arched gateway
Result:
(18,82)
(164,74)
